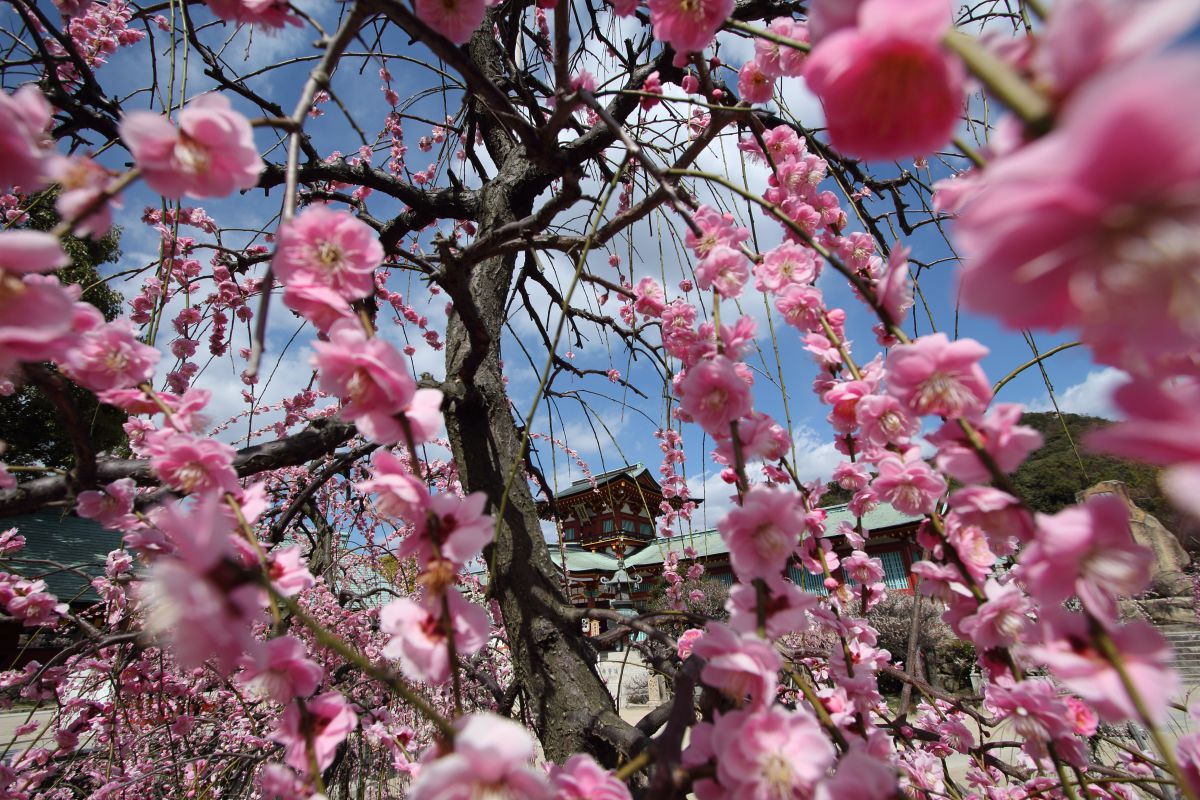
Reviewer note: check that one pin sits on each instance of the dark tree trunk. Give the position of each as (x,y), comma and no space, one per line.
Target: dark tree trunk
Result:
(553,661)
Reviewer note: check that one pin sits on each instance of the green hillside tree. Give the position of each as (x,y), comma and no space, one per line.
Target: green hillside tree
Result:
(29,424)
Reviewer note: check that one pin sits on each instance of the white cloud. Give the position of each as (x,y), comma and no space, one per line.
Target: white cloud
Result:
(718,497)
(816,455)
(1092,395)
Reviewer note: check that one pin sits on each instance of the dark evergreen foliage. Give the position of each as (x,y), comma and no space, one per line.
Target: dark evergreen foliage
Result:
(29,424)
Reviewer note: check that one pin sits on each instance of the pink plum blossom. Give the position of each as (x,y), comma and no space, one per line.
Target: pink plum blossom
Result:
(26,116)
(716,229)
(754,84)
(1034,709)
(36,314)
(190,463)
(859,777)
(724,270)
(908,483)
(372,378)
(210,154)
(1008,444)
(282,670)
(1074,659)
(398,493)
(714,394)
(110,357)
(112,506)
(1162,427)
(800,305)
(1086,550)
(313,735)
(418,635)
(770,752)
(934,375)
(688,25)
(1001,620)
(581,778)
(198,615)
(786,609)
(317,303)
(81,198)
(25,251)
(270,14)
(776,59)
(30,602)
(287,571)
(490,758)
(455,529)
(888,87)
(1064,235)
(330,248)
(883,421)
(760,437)
(454,19)
(998,513)
(687,642)
(1083,719)
(763,532)
(739,666)
(786,264)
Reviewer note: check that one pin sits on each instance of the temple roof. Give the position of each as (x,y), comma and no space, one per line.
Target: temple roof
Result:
(709,543)
(633,472)
(68,550)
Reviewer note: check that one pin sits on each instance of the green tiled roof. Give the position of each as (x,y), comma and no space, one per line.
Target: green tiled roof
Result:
(580,560)
(710,543)
(72,542)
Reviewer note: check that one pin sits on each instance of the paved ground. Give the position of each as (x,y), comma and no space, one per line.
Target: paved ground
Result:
(11,720)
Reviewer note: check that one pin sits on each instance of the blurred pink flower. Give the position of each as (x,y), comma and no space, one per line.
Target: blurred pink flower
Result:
(282,670)
(491,757)
(1008,443)
(370,376)
(770,752)
(1086,550)
(270,14)
(908,483)
(191,463)
(325,722)
(688,25)
(454,19)
(398,493)
(581,778)
(888,87)
(418,638)
(1063,234)
(110,357)
(763,532)
(210,154)
(30,251)
(454,528)
(1073,657)
(317,303)
(26,116)
(112,506)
